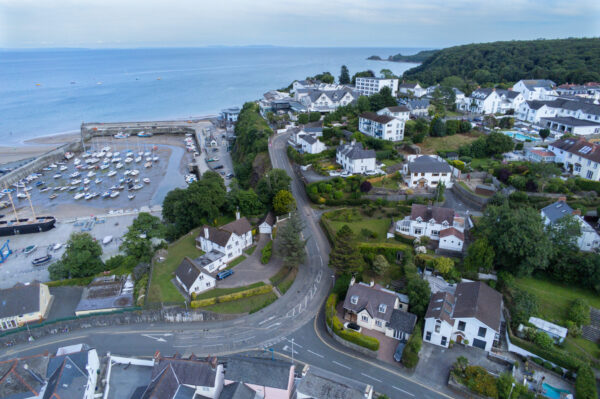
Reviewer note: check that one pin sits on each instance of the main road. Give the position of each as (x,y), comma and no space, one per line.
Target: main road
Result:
(294,316)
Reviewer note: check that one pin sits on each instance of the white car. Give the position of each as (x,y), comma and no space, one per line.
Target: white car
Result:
(334,173)
(371,173)
(345,174)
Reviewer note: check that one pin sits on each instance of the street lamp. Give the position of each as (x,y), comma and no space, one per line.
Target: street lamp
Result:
(292,351)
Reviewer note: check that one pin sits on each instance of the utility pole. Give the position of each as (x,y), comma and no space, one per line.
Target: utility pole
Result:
(292,351)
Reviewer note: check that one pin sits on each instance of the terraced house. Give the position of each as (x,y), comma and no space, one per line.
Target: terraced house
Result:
(578,156)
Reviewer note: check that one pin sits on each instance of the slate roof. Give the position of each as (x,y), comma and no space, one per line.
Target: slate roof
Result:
(570,121)
(537,104)
(398,108)
(309,138)
(369,299)
(269,218)
(67,376)
(334,95)
(451,231)
(257,371)
(402,321)
(372,116)
(240,226)
(428,164)
(543,83)
(323,384)
(187,272)
(426,213)
(221,235)
(407,85)
(417,103)
(557,210)
(237,390)
(24,377)
(510,94)
(355,151)
(575,145)
(482,93)
(19,300)
(441,306)
(477,299)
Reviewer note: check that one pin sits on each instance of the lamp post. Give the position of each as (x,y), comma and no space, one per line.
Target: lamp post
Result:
(292,351)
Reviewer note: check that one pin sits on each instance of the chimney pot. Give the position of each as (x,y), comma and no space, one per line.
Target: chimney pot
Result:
(577,212)
(564,199)
(206,232)
(237,215)
(372,283)
(352,281)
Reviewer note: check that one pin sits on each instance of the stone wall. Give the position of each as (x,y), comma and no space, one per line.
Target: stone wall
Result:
(95,130)
(470,198)
(348,344)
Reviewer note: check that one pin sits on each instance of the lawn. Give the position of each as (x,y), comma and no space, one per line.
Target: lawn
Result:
(432,145)
(161,287)
(236,262)
(225,291)
(483,163)
(250,250)
(246,305)
(378,226)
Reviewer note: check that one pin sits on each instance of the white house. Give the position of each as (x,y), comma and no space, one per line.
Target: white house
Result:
(310,144)
(194,277)
(482,101)
(355,159)
(425,171)
(418,107)
(578,156)
(367,86)
(414,89)
(230,239)
(24,303)
(437,223)
(471,316)
(325,100)
(532,111)
(561,125)
(509,100)
(383,127)
(266,224)
(539,154)
(376,308)
(535,89)
(230,115)
(74,368)
(589,240)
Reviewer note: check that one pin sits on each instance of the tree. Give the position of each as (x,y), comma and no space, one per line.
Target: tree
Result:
(544,133)
(137,241)
(366,186)
(418,292)
(303,119)
(564,234)
(524,305)
(579,312)
(380,265)
(81,259)
(314,116)
(345,257)
(543,340)
(289,242)
(382,99)
(585,384)
(284,202)
(363,104)
(344,78)
(505,385)
(271,183)
(363,74)
(437,128)
(325,77)
(498,143)
(388,74)
(249,203)
(544,170)
(443,265)
(480,256)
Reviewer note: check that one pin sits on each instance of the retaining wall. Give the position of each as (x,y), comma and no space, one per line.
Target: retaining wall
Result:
(98,130)
(353,346)
(473,200)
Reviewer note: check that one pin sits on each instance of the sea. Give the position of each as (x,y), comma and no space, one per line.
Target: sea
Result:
(51,91)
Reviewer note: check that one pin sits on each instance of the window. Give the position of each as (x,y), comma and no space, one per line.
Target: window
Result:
(365,318)
(438,326)
(435,233)
(418,231)
(428,336)
(444,341)
(354,299)
(461,326)
(382,308)
(378,323)
(481,332)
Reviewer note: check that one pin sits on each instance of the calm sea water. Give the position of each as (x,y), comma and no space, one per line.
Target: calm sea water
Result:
(51,91)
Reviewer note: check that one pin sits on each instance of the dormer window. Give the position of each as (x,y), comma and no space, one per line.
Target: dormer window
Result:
(419,219)
(382,308)
(432,221)
(445,223)
(354,299)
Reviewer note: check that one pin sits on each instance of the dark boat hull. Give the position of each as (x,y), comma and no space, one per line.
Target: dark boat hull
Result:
(42,223)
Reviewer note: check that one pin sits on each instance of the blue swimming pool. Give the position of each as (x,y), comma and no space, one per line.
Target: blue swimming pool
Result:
(520,136)
(553,393)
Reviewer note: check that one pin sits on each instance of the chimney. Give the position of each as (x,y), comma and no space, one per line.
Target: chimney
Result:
(213,362)
(352,281)
(206,232)
(563,199)
(353,142)
(372,283)
(237,215)
(577,212)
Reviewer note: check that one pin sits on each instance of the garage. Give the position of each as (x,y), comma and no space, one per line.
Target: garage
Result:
(479,343)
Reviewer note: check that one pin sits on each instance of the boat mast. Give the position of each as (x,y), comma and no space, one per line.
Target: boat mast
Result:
(30,205)
(7,191)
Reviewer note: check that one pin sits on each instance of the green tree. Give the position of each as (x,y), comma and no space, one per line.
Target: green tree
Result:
(289,244)
(498,143)
(363,74)
(543,340)
(443,265)
(480,255)
(363,104)
(418,292)
(564,234)
(271,183)
(505,385)
(544,133)
(585,384)
(284,202)
(579,312)
(524,305)
(381,266)
(303,118)
(437,128)
(314,116)
(387,73)
(345,257)
(249,203)
(81,258)
(136,242)
(543,171)
(382,99)
(344,78)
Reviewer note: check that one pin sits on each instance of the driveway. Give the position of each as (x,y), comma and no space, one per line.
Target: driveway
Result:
(251,270)
(65,301)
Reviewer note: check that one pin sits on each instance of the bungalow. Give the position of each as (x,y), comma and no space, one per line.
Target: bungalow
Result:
(471,316)
(535,89)
(230,239)
(194,277)
(589,239)
(270,379)
(578,156)
(24,303)
(266,224)
(425,171)
(318,383)
(355,159)
(414,89)
(539,154)
(373,307)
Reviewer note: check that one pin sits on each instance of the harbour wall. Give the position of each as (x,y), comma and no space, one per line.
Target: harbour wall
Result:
(89,130)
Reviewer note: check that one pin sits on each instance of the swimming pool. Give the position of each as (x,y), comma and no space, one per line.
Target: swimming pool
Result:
(553,393)
(520,136)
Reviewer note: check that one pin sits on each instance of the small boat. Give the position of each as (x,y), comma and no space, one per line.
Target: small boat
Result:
(104,166)
(148,165)
(137,187)
(74,175)
(148,159)
(147,153)
(28,188)
(68,155)
(144,134)
(79,196)
(146,180)
(46,169)
(128,160)
(127,172)
(116,154)
(76,181)
(64,188)
(29,249)
(106,194)
(91,174)
(114,187)
(109,154)
(106,149)
(114,194)
(72,188)
(43,190)
(98,180)
(106,240)
(86,181)
(120,135)
(119,165)
(39,183)
(21,196)
(63,168)
(52,165)
(134,172)
(52,196)
(77,161)
(56,247)
(131,196)
(138,159)
(42,260)
(88,196)
(86,154)
(56,188)
(57,176)
(101,154)
(111,173)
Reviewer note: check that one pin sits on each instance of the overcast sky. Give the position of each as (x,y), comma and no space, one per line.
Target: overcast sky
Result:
(351,23)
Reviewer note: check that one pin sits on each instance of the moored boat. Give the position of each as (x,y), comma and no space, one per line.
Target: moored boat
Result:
(42,260)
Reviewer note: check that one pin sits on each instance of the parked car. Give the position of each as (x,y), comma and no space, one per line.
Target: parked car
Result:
(218,167)
(215,150)
(224,274)
(230,175)
(334,173)
(345,174)
(399,350)
(352,326)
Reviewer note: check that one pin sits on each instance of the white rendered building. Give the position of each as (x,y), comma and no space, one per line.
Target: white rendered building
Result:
(589,239)
(355,159)
(194,276)
(310,144)
(230,239)
(535,89)
(367,86)
(414,89)
(578,156)
(427,171)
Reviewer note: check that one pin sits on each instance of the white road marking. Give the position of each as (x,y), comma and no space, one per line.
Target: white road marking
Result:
(373,378)
(342,365)
(264,321)
(243,339)
(295,343)
(288,349)
(273,325)
(402,390)
(316,354)
(157,337)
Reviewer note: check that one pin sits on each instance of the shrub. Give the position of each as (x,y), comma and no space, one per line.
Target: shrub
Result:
(349,335)
(366,186)
(543,340)
(263,289)
(266,253)
(477,379)
(579,312)
(585,384)
(410,356)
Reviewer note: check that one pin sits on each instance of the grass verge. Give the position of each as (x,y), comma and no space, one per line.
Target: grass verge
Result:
(236,262)
(226,291)
(287,282)
(246,305)
(251,250)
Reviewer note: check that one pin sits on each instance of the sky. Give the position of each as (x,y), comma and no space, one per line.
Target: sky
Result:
(321,23)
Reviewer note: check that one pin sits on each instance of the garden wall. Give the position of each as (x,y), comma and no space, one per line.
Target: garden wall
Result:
(348,344)
(473,200)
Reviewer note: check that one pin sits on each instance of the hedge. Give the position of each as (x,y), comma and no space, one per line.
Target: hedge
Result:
(587,185)
(349,335)
(410,356)
(556,356)
(585,384)
(263,289)
(266,253)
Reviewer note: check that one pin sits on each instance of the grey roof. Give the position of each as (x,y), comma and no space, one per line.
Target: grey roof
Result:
(237,390)
(578,146)
(309,138)
(417,103)
(204,260)
(537,104)
(557,210)
(570,121)
(187,272)
(403,297)
(322,384)
(402,321)
(269,218)
(240,226)
(482,93)
(67,376)
(256,371)
(23,378)
(101,295)
(355,151)
(372,116)
(369,298)
(374,78)
(398,108)
(334,95)
(441,306)
(220,235)
(427,212)
(428,164)
(477,299)
(19,300)
(407,85)
(511,94)
(543,83)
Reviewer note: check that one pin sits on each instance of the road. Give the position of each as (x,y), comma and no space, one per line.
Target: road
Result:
(294,316)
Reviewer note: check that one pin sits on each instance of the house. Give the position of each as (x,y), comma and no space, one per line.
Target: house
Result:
(578,156)
(266,224)
(539,154)
(317,383)
(399,111)
(271,379)
(482,101)
(418,108)
(316,100)
(310,144)
(458,95)
(106,294)
(590,90)
(554,331)
(471,316)
(230,115)
(589,239)
(314,84)
(23,378)
(355,159)
(193,277)
(230,239)
(431,89)
(561,125)
(72,373)
(534,110)
(414,89)
(509,100)
(368,85)
(184,378)
(24,303)
(535,89)
(382,127)
(437,223)
(375,308)
(427,171)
